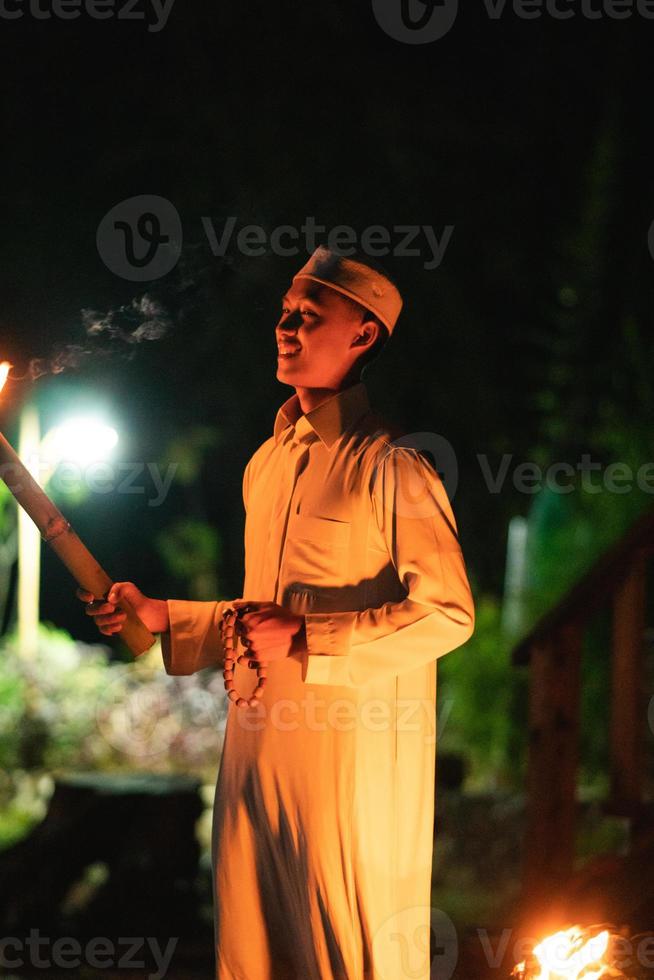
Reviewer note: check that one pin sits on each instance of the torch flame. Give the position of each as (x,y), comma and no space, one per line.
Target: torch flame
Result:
(569,955)
(5,368)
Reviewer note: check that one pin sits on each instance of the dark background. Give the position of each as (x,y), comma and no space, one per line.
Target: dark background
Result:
(531,137)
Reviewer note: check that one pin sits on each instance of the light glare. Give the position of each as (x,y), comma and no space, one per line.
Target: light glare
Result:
(80,440)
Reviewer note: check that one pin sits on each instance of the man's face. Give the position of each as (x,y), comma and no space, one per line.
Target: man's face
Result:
(317,336)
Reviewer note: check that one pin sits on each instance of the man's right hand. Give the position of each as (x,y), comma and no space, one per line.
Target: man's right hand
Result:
(153,613)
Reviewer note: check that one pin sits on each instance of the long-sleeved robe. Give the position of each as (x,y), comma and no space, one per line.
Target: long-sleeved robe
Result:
(323,815)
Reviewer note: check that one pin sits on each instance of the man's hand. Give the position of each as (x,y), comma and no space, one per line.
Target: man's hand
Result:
(153,613)
(268,631)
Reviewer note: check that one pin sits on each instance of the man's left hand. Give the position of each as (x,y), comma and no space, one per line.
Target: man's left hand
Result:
(268,631)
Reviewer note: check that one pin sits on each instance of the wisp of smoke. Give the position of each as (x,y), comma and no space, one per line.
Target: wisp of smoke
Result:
(67,357)
(142,319)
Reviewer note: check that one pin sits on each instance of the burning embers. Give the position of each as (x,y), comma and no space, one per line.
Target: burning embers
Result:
(5,368)
(572,954)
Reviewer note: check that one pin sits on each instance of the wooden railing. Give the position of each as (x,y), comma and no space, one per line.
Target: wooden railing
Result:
(553,649)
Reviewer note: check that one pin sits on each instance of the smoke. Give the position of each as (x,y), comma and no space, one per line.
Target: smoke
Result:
(67,357)
(144,318)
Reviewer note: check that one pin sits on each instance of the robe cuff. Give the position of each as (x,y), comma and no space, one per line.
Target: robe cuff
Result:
(193,640)
(328,646)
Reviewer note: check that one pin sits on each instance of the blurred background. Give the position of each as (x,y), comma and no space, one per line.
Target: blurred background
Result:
(522,148)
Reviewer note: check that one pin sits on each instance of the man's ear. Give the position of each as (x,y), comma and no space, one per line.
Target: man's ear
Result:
(366,335)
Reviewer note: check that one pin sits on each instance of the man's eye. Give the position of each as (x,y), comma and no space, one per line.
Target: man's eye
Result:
(308,312)
(285,309)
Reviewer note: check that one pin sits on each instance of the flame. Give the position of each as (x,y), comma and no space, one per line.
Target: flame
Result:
(569,955)
(5,368)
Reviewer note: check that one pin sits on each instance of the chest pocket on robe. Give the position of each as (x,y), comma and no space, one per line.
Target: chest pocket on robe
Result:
(317,549)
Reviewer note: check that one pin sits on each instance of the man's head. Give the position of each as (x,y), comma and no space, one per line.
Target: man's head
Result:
(336,317)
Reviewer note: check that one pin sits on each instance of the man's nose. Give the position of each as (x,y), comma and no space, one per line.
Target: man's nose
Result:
(290,323)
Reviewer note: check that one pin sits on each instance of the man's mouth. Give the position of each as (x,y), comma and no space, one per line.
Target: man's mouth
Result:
(288,350)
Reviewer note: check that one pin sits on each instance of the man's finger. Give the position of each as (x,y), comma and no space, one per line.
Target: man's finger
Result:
(261,643)
(99,608)
(269,626)
(110,630)
(251,605)
(112,619)
(85,595)
(250,619)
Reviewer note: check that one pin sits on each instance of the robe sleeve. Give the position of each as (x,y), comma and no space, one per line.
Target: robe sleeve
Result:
(412,511)
(193,640)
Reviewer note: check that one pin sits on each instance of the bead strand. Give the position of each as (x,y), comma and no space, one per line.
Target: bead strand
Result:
(229,639)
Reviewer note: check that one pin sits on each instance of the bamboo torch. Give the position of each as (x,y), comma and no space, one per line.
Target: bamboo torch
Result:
(58,533)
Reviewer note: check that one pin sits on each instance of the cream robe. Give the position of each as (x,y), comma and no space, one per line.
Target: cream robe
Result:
(324,807)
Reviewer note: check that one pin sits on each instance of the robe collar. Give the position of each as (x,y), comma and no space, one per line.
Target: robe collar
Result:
(329,420)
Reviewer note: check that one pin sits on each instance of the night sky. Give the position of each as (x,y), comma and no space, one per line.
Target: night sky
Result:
(532,138)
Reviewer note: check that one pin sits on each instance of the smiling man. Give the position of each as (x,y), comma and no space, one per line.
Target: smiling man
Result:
(354,585)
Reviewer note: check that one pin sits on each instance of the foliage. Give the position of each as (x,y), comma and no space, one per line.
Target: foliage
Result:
(567,534)
(187,453)
(71,707)
(481,703)
(23,797)
(190,546)
(597,394)
(190,549)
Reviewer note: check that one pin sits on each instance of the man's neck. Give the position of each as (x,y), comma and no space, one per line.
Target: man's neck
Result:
(310,398)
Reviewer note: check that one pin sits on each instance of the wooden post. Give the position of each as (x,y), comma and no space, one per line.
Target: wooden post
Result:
(549,844)
(628,707)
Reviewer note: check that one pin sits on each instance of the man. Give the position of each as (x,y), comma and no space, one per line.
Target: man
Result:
(354,585)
